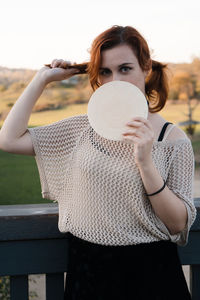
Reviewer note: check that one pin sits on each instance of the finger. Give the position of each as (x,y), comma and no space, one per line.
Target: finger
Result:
(133,139)
(134,124)
(141,132)
(137,133)
(144,121)
(65,64)
(140,119)
(52,63)
(144,136)
(137,126)
(60,63)
(57,63)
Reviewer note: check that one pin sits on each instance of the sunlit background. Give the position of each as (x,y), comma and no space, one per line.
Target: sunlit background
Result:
(33,32)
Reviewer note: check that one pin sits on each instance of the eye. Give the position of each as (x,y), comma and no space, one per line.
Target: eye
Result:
(125,69)
(104,72)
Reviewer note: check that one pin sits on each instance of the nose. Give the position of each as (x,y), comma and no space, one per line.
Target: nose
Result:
(116,76)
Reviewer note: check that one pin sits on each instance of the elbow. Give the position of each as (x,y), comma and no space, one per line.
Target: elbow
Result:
(177,228)
(2,142)
(5,145)
(180,223)
(175,231)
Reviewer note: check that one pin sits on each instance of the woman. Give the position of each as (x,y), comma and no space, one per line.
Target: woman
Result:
(126,206)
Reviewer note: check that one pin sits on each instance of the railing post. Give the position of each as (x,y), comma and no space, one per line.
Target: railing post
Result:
(195,281)
(55,286)
(19,287)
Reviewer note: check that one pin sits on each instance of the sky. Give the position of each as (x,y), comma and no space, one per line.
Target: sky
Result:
(34,32)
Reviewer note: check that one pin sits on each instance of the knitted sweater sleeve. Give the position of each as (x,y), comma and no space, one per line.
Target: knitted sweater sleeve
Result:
(180,182)
(53,145)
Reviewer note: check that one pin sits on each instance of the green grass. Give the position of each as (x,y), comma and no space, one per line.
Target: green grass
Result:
(19,180)
(196,145)
(196,148)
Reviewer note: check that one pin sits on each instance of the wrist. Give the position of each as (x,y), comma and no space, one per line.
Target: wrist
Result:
(42,78)
(157,191)
(146,164)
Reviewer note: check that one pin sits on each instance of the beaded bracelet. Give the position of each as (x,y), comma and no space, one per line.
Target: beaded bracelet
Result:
(160,190)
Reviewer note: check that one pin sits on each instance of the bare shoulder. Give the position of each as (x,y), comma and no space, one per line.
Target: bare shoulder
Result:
(174,133)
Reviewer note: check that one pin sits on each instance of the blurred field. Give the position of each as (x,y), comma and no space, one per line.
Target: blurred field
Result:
(172,112)
(48,117)
(176,111)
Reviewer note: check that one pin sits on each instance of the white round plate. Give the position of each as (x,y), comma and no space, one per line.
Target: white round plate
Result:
(114,104)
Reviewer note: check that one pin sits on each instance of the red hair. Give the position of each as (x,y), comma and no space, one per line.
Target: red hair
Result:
(156,85)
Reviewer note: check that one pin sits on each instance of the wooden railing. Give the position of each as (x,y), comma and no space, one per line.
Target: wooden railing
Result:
(30,243)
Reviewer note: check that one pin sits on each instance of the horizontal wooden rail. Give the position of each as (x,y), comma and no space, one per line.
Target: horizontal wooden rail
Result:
(30,243)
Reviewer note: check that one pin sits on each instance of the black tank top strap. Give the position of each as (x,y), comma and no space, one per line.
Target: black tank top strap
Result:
(160,138)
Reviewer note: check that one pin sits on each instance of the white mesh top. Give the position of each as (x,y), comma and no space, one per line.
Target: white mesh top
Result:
(98,187)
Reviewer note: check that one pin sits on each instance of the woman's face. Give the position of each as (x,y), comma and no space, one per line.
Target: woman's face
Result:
(120,63)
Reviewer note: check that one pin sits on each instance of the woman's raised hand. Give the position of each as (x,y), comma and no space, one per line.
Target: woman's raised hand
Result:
(140,133)
(57,71)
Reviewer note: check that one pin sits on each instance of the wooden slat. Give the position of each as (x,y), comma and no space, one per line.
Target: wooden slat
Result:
(195,282)
(19,287)
(40,221)
(33,257)
(55,286)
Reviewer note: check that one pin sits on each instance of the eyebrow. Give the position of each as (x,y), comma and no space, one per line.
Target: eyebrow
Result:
(127,63)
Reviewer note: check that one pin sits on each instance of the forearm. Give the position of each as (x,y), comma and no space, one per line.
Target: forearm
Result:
(167,206)
(16,122)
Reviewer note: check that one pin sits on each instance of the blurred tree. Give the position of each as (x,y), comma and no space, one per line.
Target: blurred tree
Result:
(186,88)
(182,83)
(2,87)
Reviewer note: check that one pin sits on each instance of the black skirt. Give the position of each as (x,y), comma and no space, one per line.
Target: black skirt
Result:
(135,272)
